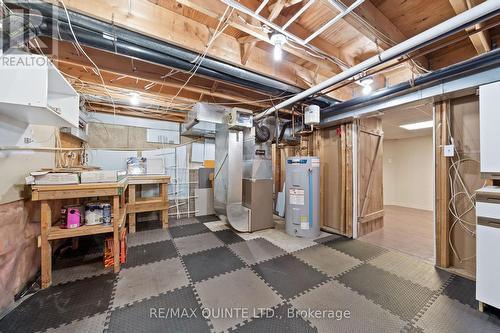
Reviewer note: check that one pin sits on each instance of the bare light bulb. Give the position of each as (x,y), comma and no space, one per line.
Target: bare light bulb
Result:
(278,40)
(367,89)
(278,52)
(134,99)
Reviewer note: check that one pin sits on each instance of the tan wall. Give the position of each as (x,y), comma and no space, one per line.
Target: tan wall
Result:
(408,169)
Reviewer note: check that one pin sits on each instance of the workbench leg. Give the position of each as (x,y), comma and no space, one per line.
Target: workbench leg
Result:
(131,223)
(116,233)
(131,216)
(481,307)
(46,255)
(164,197)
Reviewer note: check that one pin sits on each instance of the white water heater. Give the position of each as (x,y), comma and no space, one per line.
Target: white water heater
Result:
(302,197)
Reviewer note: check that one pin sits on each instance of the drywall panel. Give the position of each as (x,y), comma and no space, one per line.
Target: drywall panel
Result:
(18,164)
(408,169)
(109,159)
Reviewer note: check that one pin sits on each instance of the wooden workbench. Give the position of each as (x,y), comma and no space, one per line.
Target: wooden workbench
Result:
(138,204)
(46,193)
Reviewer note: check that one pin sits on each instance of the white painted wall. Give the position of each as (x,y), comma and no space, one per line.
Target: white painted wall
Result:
(408,168)
(15,165)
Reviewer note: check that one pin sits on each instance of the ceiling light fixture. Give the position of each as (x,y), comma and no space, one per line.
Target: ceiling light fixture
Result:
(278,40)
(417,126)
(134,99)
(366,83)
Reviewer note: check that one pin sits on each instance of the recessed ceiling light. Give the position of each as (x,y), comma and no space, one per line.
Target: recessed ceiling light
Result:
(420,125)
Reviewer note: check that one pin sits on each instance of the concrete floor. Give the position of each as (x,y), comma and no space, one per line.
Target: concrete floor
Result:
(408,230)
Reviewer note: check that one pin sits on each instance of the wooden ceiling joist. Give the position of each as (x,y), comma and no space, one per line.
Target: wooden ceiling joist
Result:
(189,33)
(480,40)
(216,8)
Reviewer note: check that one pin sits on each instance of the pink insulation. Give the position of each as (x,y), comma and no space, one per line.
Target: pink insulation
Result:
(19,254)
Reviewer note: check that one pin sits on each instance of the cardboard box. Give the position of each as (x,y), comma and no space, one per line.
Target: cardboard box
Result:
(102,176)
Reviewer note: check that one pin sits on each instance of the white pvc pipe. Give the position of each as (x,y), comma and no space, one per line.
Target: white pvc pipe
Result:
(333,21)
(453,23)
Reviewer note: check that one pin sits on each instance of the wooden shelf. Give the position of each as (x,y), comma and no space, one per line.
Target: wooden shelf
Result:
(148,179)
(147,206)
(56,232)
(52,192)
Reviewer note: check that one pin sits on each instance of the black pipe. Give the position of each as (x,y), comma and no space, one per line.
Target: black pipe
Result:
(89,32)
(490,59)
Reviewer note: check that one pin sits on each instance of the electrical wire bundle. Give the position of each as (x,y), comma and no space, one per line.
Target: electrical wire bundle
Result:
(460,195)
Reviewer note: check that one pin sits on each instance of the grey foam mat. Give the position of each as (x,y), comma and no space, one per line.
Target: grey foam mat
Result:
(52,307)
(209,263)
(151,315)
(149,253)
(391,292)
(288,275)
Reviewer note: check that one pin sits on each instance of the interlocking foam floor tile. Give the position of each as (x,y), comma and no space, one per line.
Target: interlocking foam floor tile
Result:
(447,315)
(400,296)
(288,275)
(363,314)
(228,236)
(278,321)
(327,260)
(197,243)
(207,218)
(256,250)
(209,263)
(139,282)
(240,289)
(148,253)
(413,269)
(357,249)
(61,304)
(188,230)
(152,315)
(148,236)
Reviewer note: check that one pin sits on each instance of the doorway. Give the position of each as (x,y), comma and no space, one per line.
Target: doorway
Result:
(407,187)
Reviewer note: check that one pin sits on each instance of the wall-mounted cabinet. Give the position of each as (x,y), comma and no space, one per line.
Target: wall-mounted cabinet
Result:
(35,92)
(489,112)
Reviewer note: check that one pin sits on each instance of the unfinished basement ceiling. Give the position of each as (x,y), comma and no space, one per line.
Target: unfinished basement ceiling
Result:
(243,41)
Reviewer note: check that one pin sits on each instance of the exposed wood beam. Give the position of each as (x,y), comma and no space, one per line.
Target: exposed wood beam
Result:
(376,19)
(192,34)
(97,107)
(137,83)
(480,40)
(215,9)
(277,7)
(248,47)
(372,19)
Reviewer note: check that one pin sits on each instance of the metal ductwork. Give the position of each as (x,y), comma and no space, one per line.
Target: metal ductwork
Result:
(106,36)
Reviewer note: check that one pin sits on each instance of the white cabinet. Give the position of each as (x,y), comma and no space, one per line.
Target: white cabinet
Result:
(489,113)
(32,90)
(488,246)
